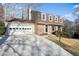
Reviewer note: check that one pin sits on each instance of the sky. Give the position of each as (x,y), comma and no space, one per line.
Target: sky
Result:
(57,8)
(62,9)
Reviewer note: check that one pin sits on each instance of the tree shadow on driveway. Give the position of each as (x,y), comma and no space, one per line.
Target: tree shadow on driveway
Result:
(3,39)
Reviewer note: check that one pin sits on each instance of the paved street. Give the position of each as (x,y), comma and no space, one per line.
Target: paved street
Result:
(31,45)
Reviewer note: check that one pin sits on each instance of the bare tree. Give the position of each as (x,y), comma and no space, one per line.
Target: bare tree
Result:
(1,12)
(69,27)
(76,13)
(18,10)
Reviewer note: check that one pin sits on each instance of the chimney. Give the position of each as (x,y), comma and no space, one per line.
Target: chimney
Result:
(29,13)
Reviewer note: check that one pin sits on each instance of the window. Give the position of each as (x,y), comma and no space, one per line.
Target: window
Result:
(50,17)
(53,28)
(23,28)
(14,28)
(20,28)
(10,28)
(43,17)
(17,28)
(55,19)
(46,28)
(60,20)
(30,28)
(27,28)
(56,28)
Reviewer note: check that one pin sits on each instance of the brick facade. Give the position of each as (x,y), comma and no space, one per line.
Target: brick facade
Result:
(54,22)
(40,29)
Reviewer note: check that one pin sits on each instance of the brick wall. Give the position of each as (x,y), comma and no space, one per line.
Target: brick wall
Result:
(40,29)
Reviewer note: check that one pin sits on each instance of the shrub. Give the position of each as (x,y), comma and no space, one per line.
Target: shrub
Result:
(54,33)
(76,35)
(2,28)
(66,34)
(63,34)
(45,34)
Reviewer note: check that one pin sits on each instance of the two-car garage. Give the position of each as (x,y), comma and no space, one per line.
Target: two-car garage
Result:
(18,28)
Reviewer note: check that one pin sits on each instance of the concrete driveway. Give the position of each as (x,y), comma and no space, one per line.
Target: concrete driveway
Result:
(31,45)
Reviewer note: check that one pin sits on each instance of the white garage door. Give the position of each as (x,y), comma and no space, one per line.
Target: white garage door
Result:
(20,30)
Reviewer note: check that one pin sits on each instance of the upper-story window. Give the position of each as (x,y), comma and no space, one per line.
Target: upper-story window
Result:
(50,17)
(43,17)
(56,19)
(61,21)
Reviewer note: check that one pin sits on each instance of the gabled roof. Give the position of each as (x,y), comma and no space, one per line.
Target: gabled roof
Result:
(20,20)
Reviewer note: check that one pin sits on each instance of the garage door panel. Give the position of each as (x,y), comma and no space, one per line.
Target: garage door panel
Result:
(21,30)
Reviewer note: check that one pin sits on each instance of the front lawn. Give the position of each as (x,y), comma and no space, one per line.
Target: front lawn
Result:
(71,45)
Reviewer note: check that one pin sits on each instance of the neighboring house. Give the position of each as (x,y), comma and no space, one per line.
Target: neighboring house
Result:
(37,23)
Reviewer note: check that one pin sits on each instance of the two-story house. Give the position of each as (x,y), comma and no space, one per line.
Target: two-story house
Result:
(37,23)
(46,23)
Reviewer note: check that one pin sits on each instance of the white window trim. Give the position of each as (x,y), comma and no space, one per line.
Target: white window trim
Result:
(51,18)
(55,19)
(42,17)
(61,20)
